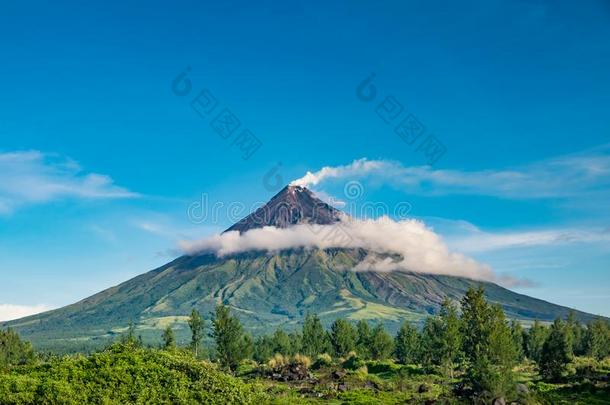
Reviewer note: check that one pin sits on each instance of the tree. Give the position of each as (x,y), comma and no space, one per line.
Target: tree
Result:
(597,339)
(451,338)
(575,333)
(534,340)
(556,352)
(13,350)
(281,343)
(431,341)
(382,344)
(516,332)
(169,339)
(406,344)
(487,344)
(363,340)
(197,324)
(227,332)
(342,337)
(296,342)
(315,339)
(263,348)
(129,338)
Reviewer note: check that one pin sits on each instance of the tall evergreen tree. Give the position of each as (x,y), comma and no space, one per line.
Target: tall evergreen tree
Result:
(342,337)
(406,344)
(169,339)
(263,348)
(196,323)
(597,339)
(431,341)
(382,344)
(487,344)
(315,338)
(296,342)
(534,340)
(451,340)
(281,343)
(13,350)
(363,341)
(556,352)
(227,332)
(516,331)
(576,334)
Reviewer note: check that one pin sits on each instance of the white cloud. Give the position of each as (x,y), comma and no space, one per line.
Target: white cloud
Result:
(572,175)
(414,246)
(475,240)
(31,177)
(12,311)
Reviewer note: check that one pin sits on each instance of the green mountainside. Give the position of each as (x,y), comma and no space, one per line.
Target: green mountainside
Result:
(266,291)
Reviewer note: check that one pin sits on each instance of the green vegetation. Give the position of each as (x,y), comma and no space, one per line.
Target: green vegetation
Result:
(465,356)
(124,374)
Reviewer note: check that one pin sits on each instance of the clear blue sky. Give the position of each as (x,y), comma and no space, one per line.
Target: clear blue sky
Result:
(519,87)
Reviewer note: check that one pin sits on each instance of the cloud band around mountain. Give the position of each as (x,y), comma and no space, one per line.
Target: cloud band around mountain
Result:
(408,245)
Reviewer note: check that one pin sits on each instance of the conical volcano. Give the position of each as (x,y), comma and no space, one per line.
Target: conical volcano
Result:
(266,290)
(291,206)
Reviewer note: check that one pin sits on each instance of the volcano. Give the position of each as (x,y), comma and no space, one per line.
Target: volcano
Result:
(266,290)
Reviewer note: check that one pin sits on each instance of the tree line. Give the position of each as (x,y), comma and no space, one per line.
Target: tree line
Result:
(475,338)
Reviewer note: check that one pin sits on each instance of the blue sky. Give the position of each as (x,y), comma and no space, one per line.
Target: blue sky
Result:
(100,159)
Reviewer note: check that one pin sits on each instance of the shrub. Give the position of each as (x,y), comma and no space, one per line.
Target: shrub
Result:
(323,360)
(353,363)
(302,360)
(125,374)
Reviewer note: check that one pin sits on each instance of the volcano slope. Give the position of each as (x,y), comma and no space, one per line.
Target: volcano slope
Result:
(266,290)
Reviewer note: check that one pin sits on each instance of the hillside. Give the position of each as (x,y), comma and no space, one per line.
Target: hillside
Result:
(267,290)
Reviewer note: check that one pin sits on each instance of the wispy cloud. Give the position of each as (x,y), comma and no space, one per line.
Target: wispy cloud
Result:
(32,177)
(572,175)
(12,311)
(476,240)
(419,249)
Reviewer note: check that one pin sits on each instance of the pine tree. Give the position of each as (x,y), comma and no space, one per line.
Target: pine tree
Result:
(597,339)
(263,348)
(13,350)
(534,340)
(227,332)
(196,323)
(296,342)
(431,342)
(451,339)
(487,344)
(382,344)
(342,337)
(556,353)
(315,338)
(169,339)
(576,334)
(406,344)
(281,343)
(516,332)
(363,341)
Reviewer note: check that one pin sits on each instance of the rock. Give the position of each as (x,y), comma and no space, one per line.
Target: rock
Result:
(498,401)
(342,387)
(423,388)
(338,374)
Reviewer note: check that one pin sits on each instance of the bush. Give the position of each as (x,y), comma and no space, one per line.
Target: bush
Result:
(301,360)
(353,363)
(323,360)
(125,374)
